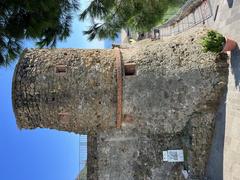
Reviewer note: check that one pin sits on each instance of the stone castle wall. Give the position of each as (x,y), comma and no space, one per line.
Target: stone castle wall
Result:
(172,100)
(170,97)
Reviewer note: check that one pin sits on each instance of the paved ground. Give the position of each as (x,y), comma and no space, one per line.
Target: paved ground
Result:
(215,163)
(224,161)
(228,17)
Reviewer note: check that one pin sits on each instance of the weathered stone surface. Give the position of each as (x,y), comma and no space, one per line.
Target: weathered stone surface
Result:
(82,98)
(173,100)
(174,80)
(170,103)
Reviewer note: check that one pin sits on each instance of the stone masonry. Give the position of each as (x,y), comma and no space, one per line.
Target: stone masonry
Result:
(173,101)
(66,89)
(169,102)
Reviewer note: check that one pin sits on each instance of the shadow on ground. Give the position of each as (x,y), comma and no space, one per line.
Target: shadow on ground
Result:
(230,3)
(215,162)
(235,66)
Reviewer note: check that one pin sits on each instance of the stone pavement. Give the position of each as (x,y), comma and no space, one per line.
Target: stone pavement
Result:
(224,161)
(228,18)
(231,160)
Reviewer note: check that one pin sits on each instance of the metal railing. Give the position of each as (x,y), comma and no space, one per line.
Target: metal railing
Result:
(192,14)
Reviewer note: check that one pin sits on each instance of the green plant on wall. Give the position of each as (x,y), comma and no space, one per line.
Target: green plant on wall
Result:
(213,42)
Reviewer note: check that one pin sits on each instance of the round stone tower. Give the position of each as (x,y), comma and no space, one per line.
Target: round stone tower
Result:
(65,89)
(157,87)
(163,94)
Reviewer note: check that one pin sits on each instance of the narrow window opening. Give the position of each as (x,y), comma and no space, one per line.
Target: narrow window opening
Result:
(127,118)
(52,96)
(64,118)
(61,69)
(130,69)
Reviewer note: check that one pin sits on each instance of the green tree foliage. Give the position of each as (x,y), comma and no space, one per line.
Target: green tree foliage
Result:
(43,20)
(48,21)
(109,17)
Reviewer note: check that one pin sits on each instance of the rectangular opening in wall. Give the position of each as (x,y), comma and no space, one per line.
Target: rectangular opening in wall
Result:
(130,69)
(127,118)
(64,118)
(61,69)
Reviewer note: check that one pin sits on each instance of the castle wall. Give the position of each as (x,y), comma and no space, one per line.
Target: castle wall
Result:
(171,92)
(172,102)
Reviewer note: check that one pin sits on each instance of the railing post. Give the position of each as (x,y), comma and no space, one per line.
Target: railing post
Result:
(183,24)
(197,14)
(178,27)
(203,18)
(194,18)
(210,7)
(188,21)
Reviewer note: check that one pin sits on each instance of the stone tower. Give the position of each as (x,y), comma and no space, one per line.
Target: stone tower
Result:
(65,89)
(134,103)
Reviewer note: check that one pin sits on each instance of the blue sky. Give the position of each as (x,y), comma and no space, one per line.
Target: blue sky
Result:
(39,154)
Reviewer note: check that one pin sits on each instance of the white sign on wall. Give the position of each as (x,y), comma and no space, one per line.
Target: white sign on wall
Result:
(173,155)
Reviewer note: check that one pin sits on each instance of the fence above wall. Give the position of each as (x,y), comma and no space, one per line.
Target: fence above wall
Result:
(192,13)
